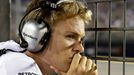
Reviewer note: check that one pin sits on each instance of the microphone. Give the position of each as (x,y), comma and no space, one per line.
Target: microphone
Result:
(24,44)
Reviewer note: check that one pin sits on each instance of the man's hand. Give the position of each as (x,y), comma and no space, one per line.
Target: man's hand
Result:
(81,66)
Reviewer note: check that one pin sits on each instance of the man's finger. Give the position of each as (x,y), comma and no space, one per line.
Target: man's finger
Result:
(75,61)
(83,61)
(89,64)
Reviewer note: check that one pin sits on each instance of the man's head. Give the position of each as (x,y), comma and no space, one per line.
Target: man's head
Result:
(67,24)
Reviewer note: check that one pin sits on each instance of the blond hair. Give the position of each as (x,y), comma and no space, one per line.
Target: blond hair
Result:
(67,9)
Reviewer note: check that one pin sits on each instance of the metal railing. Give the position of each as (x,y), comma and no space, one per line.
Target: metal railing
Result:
(109,29)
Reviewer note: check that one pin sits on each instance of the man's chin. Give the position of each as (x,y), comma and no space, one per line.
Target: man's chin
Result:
(65,69)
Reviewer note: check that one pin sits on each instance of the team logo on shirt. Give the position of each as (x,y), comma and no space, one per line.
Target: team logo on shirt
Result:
(27,73)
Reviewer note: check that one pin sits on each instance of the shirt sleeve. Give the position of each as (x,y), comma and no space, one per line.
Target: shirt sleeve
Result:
(13,63)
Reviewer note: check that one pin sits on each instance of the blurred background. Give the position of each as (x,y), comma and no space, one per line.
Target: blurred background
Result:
(109,37)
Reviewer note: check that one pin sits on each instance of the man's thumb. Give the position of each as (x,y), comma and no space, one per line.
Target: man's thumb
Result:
(57,71)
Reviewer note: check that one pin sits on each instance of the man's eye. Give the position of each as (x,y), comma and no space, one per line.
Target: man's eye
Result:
(70,36)
(82,39)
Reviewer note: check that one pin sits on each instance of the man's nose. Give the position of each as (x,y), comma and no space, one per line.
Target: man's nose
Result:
(78,47)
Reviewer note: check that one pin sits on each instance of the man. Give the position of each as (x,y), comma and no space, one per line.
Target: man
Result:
(61,53)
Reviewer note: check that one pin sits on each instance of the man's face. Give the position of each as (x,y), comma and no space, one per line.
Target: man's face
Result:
(66,40)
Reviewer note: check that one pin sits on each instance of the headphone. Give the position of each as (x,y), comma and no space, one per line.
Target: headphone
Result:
(35,33)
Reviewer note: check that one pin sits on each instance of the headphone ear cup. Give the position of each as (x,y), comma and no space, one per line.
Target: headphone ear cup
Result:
(32,33)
